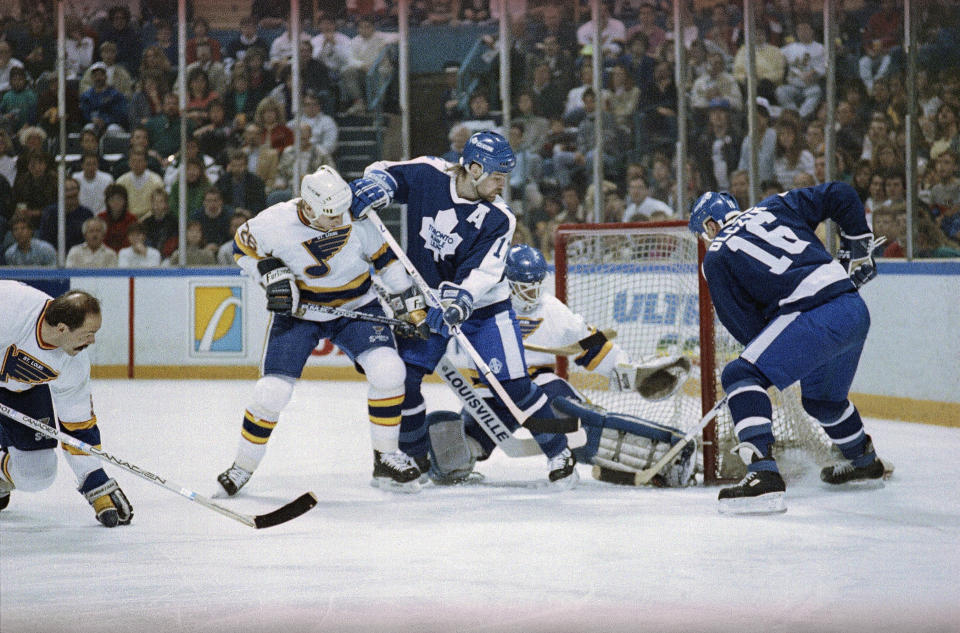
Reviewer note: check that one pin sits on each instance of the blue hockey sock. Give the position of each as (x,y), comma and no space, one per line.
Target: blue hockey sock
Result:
(841,421)
(527,395)
(414,440)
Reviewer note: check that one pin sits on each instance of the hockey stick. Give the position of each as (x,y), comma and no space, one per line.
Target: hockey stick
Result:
(597,338)
(556,425)
(281,515)
(486,419)
(611,475)
(403,328)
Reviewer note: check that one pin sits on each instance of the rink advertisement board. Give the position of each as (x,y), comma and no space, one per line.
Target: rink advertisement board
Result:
(217,312)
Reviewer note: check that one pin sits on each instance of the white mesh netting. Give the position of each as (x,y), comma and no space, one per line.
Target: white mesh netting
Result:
(641,280)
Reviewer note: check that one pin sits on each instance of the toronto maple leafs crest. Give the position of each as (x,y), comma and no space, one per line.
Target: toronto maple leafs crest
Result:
(439,234)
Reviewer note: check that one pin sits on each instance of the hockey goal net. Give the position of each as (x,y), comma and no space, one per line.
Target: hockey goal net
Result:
(643,281)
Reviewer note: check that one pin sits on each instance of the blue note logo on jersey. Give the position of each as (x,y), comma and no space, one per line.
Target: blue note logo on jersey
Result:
(22,367)
(218,323)
(528,326)
(323,248)
(439,234)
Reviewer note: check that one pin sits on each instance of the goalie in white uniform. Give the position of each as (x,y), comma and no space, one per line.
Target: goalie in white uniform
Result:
(307,251)
(616,441)
(45,364)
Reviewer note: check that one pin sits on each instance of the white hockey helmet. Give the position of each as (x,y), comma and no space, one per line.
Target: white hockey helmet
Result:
(325,193)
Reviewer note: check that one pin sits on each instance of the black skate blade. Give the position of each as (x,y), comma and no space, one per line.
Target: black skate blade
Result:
(552,425)
(614,476)
(770,503)
(292,510)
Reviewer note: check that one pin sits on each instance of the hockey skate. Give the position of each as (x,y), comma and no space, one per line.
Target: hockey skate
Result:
(760,492)
(5,489)
(849,472)
(563,470)
(233,479)
(423,463)
(395,471)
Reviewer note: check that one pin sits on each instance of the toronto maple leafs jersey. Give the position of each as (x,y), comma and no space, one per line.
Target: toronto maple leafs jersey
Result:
(28,361)
(768,260)
(552,324)
(332,268)
(450,238)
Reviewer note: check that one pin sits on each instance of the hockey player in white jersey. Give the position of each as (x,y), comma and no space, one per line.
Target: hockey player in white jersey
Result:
(306,252)
(459,231)
(45,365)
(617,441)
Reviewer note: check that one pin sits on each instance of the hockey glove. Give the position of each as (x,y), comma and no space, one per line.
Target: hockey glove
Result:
(410,306)
(280,284)
(111,505)
(373,191)
(456,306)
(856,256)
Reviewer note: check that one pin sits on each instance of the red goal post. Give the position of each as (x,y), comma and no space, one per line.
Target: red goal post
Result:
(644,281)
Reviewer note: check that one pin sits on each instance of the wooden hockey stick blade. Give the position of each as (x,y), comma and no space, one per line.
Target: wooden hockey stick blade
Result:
(552,425)
(574,348)
(292,510)
(614,476)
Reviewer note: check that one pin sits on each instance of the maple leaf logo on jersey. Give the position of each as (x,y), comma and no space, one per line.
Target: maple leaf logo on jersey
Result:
(439,234)
(22,367)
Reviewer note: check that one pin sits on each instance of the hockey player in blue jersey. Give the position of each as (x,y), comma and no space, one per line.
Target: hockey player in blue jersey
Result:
(799,315)
(459,233)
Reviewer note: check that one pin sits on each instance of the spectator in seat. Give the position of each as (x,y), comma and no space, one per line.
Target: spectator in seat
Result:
(35,185)
(201,36)
(789,156)
(161,226)
(138,254)
(7,62)
(535,127)
(240,188)
(92,253)
(212,137)
(874,64)
(214,218)
(458,136)
(717,84)
(770,64)
(364,49)
(639,204)
(525,177)
(548,96)
(75,215)
(103,107)
(225,253)
(147,101)
(740,187)
(36,45)
(8,161)
(767,148)
(117,217)
(323,128)
(196,254)
(214,69)
(117,74)
(164,129)
(139,183)
(945,191)
(624,98)
(613,33)
(261,158)
(270,117)
(875,196)
(806,66)
(140,142)
(237,47)
(718,146)
(18,105)
(26,249)
(155,62)
(886,25)
(573,109)
(239,102)
(647,24)
(930,241)
(331,47)
(558,59)
(311,159)
(199,96)
(197,185)
(127,37)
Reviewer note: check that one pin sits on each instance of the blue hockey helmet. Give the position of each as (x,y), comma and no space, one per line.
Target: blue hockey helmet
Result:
(491,151)
(713,204)
(526,270)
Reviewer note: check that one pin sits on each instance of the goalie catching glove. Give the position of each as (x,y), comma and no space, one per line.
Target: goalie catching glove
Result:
(410,306)
(280,285)
(111,505)
(856,256)
(654,380)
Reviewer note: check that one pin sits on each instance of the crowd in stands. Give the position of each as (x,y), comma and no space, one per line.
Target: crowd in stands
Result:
(124,119)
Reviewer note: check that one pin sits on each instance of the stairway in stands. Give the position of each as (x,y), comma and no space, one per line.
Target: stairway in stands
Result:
(360,142)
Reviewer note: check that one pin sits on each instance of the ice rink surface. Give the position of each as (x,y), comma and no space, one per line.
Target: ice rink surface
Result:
(499,557)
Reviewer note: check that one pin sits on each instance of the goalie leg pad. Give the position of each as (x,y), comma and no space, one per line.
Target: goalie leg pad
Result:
(453,453)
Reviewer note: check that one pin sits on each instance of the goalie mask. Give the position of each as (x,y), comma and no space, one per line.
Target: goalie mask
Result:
(718,205)
(324,193)
(526,270)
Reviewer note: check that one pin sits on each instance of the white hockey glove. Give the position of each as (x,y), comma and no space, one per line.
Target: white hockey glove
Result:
(111,505)
(856,256)
(657,379)
(280,284)
(410,306)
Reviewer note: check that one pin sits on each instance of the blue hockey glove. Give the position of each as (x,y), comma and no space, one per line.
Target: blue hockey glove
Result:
(457,304)
(373,191)
(856,256)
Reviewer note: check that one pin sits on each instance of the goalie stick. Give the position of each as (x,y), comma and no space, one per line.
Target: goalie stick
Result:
(614,476)
(403,328)
(282,514)
(582,345)
(556,425)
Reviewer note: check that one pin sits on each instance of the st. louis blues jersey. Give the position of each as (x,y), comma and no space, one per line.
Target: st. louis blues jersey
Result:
(28,361)
(332,268)
(553,324)
(452,239)
(768,261)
